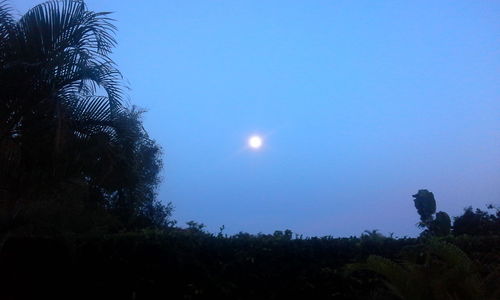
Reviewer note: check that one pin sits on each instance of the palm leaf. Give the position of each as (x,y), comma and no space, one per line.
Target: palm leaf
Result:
(54,61)
(6,21)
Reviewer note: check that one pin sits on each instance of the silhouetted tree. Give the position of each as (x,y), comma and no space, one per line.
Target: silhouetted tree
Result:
(426,208)
(66,141)
(287,234)
(129,191)
(441,225)
(478,222)
(52,62)
(194,226)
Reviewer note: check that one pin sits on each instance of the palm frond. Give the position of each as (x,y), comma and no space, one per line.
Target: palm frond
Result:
(6,20)
(67,23)
(73,46)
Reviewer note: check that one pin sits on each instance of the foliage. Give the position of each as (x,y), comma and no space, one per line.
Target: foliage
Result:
(372,235)
(426,206)
(129,190)
(195,226)
(183,264)
(478,222)
(72,157)
(287,234)
(444,272)
(440,225)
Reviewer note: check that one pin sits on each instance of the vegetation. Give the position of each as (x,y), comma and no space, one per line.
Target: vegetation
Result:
(184,264)
(80,218)
(73,158)
(477,222)
(439,271)
(425,204)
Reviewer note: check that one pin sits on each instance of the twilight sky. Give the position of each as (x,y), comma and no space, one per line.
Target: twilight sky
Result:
(360,103)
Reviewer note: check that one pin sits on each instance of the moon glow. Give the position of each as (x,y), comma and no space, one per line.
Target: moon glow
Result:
(255,142)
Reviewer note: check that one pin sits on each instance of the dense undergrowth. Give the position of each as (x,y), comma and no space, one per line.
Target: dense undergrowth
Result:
(186,264)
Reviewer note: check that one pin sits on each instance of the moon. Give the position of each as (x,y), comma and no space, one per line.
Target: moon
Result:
(255,142)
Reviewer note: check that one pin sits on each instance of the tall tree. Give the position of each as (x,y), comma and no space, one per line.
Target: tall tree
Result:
(425,204)
(63,129)
(53,62)
(130,188)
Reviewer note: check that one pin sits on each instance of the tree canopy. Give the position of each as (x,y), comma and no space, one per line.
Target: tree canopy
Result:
(425,203)
(67,142)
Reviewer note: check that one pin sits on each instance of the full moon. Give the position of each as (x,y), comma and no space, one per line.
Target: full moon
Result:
(255,142)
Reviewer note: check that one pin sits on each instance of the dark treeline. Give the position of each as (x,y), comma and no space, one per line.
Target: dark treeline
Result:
(80,217)
(179,264)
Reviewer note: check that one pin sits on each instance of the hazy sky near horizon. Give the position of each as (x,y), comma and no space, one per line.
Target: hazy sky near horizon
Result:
(360,103)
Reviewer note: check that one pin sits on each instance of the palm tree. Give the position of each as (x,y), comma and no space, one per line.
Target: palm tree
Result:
(60,96)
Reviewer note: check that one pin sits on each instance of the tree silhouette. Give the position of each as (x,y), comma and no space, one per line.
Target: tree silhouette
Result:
(64,133)
(129,190)
(478,222)
(441,225)
(426,208)
(52,62)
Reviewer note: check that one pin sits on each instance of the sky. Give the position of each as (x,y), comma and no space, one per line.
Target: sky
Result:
(360,105)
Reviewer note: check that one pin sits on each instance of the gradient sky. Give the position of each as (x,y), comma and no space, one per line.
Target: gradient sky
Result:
(361,103)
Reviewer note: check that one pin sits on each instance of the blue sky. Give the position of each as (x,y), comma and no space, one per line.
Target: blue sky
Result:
(361,103)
